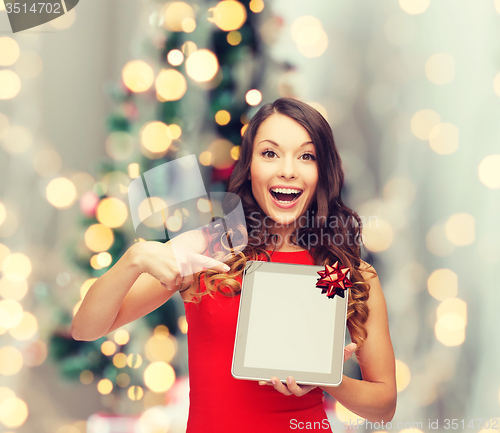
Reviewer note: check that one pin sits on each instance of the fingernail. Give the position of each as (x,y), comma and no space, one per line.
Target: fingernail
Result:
(289,380)
(273,382)
(226,268)
(261,382)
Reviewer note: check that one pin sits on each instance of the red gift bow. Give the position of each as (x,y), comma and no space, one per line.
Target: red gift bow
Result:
(333,280)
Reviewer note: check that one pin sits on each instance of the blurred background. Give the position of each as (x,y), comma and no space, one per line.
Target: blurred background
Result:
(112,89)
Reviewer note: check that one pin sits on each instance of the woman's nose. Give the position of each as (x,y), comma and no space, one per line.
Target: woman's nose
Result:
(287,169)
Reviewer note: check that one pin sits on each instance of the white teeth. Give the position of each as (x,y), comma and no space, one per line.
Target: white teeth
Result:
(285,190)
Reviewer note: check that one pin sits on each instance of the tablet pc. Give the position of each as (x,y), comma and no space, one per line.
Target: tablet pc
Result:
(288,327)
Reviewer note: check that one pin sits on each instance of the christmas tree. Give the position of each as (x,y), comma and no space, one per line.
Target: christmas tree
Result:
(193,91)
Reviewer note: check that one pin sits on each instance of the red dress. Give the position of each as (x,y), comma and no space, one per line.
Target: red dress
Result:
(219,403)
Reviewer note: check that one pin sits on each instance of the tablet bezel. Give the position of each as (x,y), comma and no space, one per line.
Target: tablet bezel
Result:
(239,371)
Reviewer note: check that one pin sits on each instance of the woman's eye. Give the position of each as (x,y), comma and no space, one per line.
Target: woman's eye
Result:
(309,157)
(268,153)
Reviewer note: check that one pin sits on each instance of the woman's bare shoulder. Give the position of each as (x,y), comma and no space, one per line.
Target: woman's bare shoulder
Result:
(367,271)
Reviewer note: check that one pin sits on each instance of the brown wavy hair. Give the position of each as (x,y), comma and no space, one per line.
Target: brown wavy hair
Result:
(336,228)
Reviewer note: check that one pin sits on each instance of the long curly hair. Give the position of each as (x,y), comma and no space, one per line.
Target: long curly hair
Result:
(329,229)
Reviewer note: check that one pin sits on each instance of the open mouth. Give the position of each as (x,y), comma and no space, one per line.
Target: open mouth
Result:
(283,195)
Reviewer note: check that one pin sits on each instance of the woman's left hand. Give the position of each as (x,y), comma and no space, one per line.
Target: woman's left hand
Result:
(292,387)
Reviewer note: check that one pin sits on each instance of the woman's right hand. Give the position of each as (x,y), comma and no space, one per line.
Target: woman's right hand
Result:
(171,264)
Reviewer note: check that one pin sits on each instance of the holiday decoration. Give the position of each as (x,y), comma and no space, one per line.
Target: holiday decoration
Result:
(334,280)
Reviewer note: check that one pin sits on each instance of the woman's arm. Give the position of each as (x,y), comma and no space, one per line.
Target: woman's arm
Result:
(141,281)
(123,294)
(374,397)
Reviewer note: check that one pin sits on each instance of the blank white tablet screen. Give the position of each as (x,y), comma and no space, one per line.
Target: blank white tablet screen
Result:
(291,325)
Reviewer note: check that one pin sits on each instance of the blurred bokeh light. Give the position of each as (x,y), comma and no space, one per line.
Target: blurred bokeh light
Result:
(138,76)
(229,15)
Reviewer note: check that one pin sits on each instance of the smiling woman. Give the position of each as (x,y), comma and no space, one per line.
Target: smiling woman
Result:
(289,178)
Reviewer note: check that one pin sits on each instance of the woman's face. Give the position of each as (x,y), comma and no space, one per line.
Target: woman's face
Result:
(284,171)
